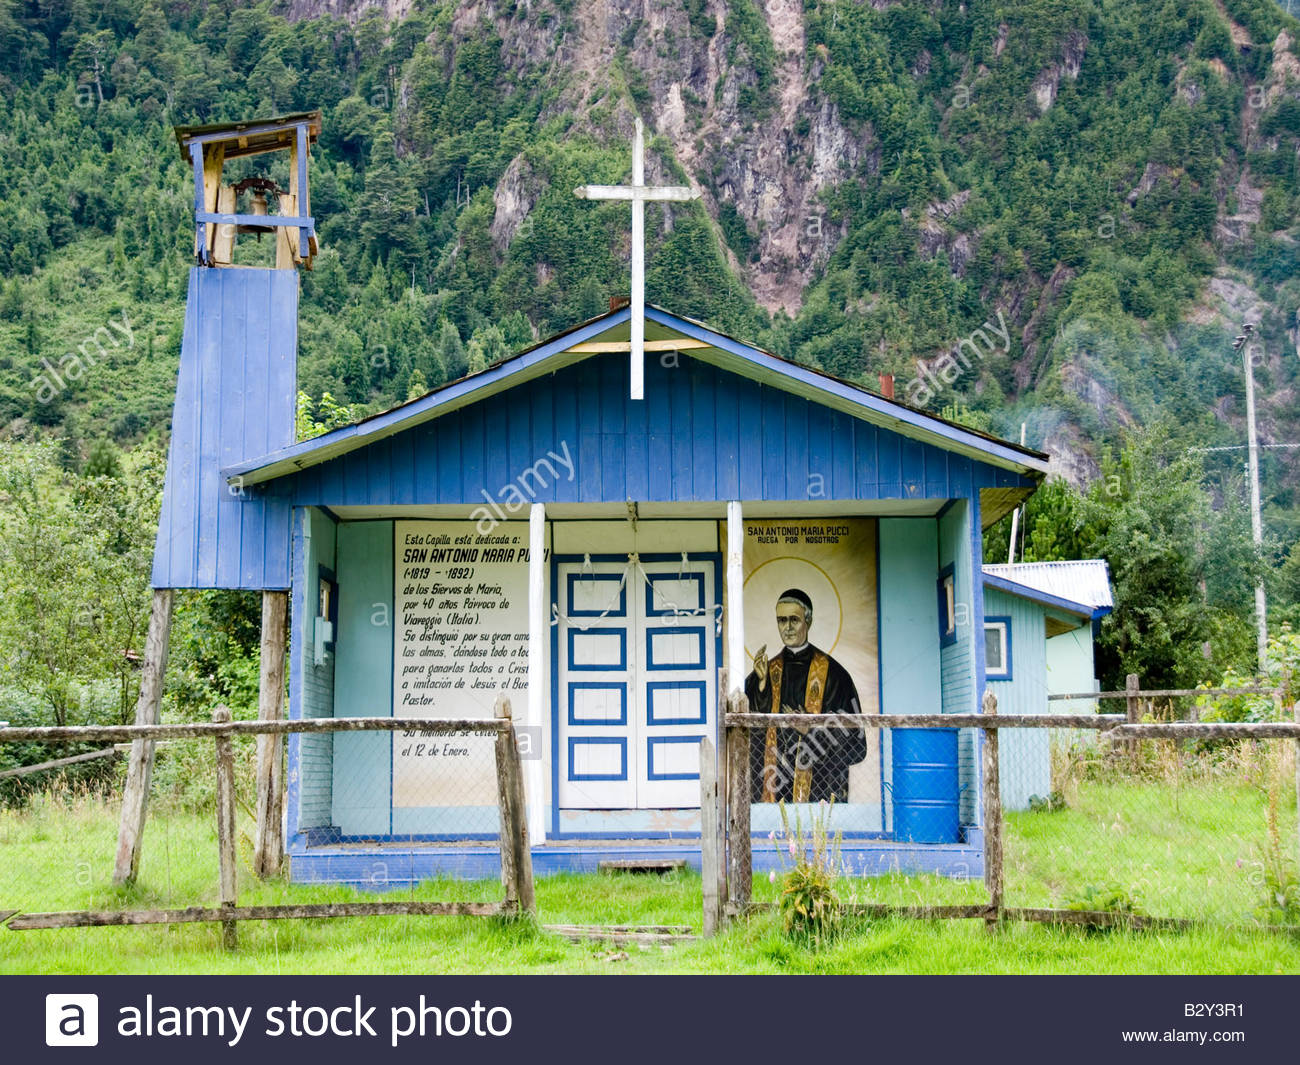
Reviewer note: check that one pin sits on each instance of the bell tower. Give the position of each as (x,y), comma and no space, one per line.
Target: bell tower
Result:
(236,396)
(237,386)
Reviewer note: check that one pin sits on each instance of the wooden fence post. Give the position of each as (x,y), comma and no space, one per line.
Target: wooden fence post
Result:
(1133,712)
(720,820)
(516,857)
(268,845)
(993,858)
(226,826)
(740,879)
(1284,690)
(135,796)
(709,857)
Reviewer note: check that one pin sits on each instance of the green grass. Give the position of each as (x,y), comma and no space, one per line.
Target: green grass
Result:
(59,855)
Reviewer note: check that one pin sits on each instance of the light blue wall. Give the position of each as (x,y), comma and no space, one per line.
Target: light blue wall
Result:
(959,661)
(1071,668)
(909,616)
(315,757)
(1025,769)
(363,761)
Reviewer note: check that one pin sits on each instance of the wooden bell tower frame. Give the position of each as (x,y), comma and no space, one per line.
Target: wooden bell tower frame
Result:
(216,218)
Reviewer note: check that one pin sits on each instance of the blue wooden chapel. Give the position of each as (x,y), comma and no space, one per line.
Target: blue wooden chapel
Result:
(531,530)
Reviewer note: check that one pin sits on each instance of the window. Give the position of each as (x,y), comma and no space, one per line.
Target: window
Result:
(947,606)
(997,648)
(327,604)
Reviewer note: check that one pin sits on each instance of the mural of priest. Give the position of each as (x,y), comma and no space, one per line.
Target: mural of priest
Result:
(801,764)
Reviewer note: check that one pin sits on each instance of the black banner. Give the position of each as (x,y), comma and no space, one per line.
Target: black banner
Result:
(580,1019)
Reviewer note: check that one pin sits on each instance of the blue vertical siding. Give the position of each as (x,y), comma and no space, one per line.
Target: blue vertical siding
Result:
(1026,764)
(235,398)
(701,434)
(959,662)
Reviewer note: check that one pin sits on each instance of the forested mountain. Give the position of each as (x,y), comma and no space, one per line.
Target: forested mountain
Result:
(1084,198)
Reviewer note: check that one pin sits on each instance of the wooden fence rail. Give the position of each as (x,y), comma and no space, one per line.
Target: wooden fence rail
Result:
(1166,693)
(516,857)
(1122,728)
(126,733)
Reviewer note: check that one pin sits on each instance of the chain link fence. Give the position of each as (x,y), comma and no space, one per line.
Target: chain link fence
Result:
(1196,829)
(1149,818)
(438,783)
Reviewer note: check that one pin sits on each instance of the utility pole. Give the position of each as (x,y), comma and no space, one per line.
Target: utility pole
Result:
(1015,515)
(1242,344)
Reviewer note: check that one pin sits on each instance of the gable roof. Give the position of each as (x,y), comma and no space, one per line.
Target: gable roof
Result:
(608,334)
(1080,586)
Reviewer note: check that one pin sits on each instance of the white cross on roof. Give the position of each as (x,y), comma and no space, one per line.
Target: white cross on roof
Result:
(638,193)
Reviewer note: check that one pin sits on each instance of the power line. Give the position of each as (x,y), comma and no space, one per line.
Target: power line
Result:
(1238,447)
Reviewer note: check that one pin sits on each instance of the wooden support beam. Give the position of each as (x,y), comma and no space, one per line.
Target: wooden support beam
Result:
(624,935)
(597,347)
(1133,713)
(223,240)
(268,846)
(516,856)
(198,914)
(124,733)
(740,861)
(1295,712)
(710,859)
(226,829)
(993,871)
(60,763)
(214,159)
(979,910)
(135,795)
(286,239)
(1100,722)
(720,821)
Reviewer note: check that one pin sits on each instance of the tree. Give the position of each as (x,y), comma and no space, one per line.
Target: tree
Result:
(1149,509)
(74,561)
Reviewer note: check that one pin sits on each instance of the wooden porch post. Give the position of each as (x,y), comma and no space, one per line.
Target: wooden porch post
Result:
(226,827)
(993,867)
(740,878)
(268,848)
(1133,714)
(710,859)
(516,855)
(135,796)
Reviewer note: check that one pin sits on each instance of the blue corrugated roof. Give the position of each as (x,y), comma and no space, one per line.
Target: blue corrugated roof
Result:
(721,350)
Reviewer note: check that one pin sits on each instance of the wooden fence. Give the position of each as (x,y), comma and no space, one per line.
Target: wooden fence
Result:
(725,796)
(516,858)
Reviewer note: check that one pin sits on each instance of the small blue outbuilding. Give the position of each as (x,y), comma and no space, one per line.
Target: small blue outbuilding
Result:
(1040,620)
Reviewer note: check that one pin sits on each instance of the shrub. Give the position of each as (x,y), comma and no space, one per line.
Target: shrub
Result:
(810,904)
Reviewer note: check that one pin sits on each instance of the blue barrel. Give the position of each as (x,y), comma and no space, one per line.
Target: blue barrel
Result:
(925,787)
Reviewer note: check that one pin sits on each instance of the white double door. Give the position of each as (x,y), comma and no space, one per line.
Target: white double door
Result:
(637,668)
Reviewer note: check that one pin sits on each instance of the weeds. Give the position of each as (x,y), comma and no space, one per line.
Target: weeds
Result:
(809,903)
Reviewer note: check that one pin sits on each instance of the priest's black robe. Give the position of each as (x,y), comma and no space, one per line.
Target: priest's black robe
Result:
(827,752)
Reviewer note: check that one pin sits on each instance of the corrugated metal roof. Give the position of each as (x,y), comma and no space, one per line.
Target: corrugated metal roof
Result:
(1085,580)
